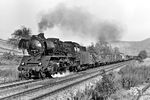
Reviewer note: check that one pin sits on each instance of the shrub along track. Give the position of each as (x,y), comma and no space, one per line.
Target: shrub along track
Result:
(140,93)
(46,86)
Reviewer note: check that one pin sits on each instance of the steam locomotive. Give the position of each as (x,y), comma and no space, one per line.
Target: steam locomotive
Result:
(49,56)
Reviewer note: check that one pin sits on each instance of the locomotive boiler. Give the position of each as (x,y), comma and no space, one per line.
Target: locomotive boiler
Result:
(48,56)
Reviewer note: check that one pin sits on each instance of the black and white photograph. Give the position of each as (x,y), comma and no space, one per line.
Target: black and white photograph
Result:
(74,50)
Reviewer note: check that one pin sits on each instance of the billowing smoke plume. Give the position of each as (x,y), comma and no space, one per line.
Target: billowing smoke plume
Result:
(80,23)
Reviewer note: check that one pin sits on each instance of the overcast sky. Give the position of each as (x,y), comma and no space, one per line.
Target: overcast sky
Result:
(132,15)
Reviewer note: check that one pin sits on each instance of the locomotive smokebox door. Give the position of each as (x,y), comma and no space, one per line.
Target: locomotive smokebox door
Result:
(33,63)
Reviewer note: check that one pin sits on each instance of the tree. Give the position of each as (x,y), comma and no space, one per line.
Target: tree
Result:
(116,50)
(103,49)
(142,54)
(91,49)
(23,33)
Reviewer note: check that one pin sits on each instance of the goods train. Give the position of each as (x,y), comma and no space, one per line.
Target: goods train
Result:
(49,56)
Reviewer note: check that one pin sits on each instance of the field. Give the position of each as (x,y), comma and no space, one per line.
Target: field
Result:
(8,67)
(8,73)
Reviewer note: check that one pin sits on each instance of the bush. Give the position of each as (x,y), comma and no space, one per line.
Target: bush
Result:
(130,81)
(106,87)
(142,55)
(102,90)
(86,95)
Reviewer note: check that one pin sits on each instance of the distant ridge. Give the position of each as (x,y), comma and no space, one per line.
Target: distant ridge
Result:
(132,47)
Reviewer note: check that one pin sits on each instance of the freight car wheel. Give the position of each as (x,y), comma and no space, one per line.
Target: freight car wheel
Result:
(77,68)
(25,75)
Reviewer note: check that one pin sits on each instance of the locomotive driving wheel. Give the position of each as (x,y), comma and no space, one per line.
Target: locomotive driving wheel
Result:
(42,75)
(27,75)
(48,75)
(24,75)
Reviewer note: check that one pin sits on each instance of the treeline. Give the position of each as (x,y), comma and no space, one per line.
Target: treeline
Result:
(102,49)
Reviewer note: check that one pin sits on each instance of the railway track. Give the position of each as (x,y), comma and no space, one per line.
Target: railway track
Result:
(63,87)
(15,83)
(9,82)
(48,84)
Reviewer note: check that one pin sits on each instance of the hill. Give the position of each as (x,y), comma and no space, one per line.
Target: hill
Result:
(132,47)
(5,47)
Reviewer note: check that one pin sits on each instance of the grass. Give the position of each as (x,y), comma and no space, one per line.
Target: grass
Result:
(9,58)
(133,76)
(8,75)
(8,67)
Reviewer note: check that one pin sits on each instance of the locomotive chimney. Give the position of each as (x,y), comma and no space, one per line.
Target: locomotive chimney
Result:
(41,35)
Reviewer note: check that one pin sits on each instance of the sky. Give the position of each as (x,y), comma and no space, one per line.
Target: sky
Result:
(132,15)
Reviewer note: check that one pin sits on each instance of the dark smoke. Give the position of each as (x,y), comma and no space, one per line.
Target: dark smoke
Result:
(80,23)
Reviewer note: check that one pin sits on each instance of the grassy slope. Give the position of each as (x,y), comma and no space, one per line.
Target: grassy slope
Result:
(5,47)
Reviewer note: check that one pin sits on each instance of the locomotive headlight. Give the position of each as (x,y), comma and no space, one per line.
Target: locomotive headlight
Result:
(40,64)
(22,63)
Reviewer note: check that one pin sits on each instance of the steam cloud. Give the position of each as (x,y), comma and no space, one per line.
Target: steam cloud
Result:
(80,23)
